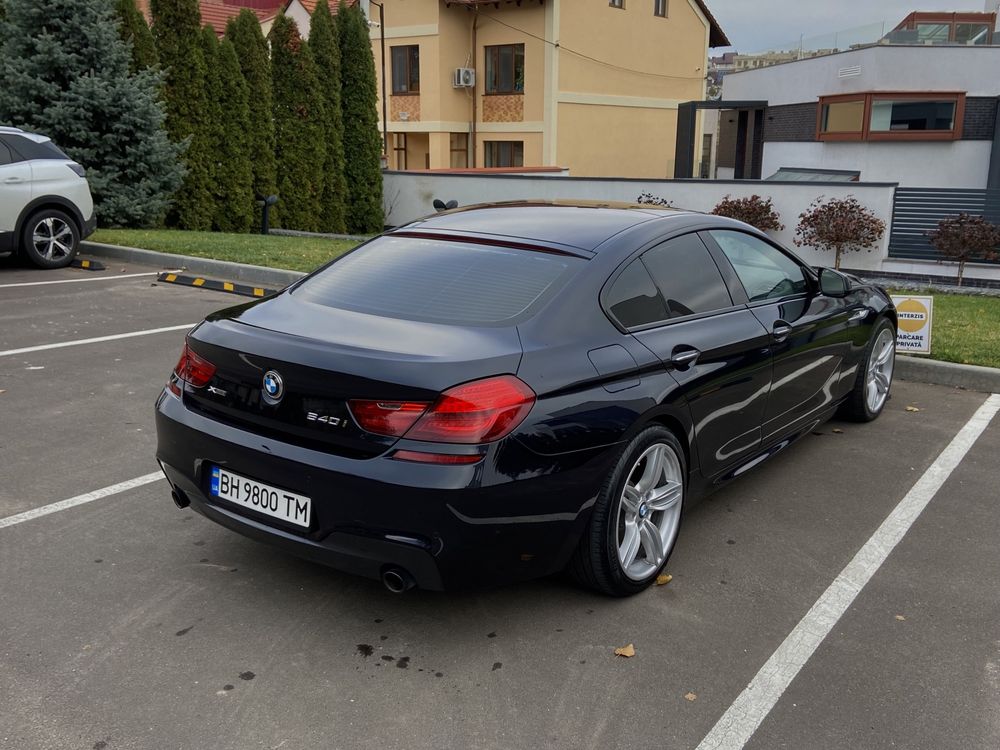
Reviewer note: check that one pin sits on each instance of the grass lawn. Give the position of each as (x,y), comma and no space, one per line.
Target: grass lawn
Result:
(295,253)
(965,329)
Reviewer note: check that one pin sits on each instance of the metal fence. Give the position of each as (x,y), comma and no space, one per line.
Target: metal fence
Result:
(917,211)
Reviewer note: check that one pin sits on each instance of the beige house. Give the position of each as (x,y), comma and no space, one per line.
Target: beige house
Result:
(588,85)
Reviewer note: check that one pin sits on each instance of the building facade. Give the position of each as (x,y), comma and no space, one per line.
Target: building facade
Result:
(588,85)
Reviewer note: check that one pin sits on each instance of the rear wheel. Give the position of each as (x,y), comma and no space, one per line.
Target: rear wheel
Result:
(874,378)
(50,239)
(636,518)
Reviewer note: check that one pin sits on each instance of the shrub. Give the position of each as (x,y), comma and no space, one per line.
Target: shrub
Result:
(963,238)
(234,171)
(648,199)
(756,211)
(839,224)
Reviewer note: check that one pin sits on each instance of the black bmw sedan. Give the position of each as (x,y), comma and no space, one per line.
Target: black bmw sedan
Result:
(505,391)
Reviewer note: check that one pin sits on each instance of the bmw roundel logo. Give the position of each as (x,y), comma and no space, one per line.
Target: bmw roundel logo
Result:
(273,387)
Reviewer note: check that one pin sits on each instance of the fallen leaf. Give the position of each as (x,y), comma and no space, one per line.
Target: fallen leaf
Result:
(900,618)
(912,408)
(691,697)
(626,651)
(2,391)
(837,431)
(661,580)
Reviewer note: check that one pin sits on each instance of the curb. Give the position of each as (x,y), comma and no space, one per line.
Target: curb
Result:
(970,377)
(259,276)
(246,290)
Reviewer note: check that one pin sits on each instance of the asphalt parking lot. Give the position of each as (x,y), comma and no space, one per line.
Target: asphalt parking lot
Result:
(127,623)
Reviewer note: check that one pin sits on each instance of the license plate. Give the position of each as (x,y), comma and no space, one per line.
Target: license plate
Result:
(263,498)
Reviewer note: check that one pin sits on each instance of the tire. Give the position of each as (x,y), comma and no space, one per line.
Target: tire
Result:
(871,388)
(626,510)
(50,239)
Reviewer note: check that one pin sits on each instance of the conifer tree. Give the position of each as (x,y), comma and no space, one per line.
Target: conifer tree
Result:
(211,126)
(176,28)
(299,128)
(234,175)
(325,45)
(64,72)
(359,103)
(135,31)
(252,50)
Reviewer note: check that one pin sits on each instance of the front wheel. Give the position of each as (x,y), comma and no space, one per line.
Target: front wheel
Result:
(636,517)
(50,239)
(874,378)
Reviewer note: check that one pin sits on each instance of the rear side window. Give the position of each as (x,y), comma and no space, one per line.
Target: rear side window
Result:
(633,299)
(29,149)
(765,272)
(687,276)
(5,157)
(438,281)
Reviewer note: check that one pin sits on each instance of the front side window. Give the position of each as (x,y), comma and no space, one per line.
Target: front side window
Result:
(406,69)
(687,277)
(505,69)
(765,272)
(504,153)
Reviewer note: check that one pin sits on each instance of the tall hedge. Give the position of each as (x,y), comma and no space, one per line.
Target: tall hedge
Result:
(211,125)
(64,72)
(325,46)
(176,30)
(234,175)
(254,59)
(135,31)
(299,126)
(362,141)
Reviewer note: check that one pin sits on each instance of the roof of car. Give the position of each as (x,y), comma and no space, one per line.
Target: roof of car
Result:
(579,224)
(7,130)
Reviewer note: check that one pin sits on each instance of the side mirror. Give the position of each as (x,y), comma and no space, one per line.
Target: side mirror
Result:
(833,283)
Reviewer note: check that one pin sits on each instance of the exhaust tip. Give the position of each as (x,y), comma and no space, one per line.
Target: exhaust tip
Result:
(397,580)
(179,498)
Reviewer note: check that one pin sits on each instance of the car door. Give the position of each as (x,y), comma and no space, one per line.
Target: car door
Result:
(673,299)
(15,194)
(810,337)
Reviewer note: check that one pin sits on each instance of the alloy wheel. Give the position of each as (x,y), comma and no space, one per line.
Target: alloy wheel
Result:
(878,378)
(649,511)
(52,238)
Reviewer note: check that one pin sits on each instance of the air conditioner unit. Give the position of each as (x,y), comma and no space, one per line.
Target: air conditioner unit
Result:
(465,78)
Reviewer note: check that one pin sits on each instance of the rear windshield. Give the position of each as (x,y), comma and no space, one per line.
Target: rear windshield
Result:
(437,281)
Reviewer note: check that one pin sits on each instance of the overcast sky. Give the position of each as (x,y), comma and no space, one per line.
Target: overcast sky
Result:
(756,25)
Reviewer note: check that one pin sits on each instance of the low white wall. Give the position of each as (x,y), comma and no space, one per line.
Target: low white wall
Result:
(924,164)
(410,195)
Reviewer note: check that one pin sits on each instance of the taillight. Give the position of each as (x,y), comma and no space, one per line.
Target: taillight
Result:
(392,418)
(192,369)
(478,412)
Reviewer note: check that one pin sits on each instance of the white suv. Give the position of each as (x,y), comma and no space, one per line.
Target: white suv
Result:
(45,202)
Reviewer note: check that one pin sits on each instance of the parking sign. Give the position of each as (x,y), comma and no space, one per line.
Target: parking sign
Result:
(915,314)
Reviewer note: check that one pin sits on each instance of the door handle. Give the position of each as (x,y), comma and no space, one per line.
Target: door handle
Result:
(684,358)
(13,180)
(780,330)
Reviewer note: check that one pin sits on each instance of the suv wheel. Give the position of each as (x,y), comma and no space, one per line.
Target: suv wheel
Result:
(50,239)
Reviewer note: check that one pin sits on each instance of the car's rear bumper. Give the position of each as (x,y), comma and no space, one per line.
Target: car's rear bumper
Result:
(449,527)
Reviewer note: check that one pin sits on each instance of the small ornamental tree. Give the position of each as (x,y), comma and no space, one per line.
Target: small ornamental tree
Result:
(964,238)
(134,30)
(362,140)
(234,172)
(64,72)
(756,211)
(254,58)
(839,224)
(300,128)
(325,45)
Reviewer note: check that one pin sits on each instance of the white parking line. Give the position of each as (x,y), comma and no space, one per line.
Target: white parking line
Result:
(88,497)
(96,340)
(78,281)
(751,707)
